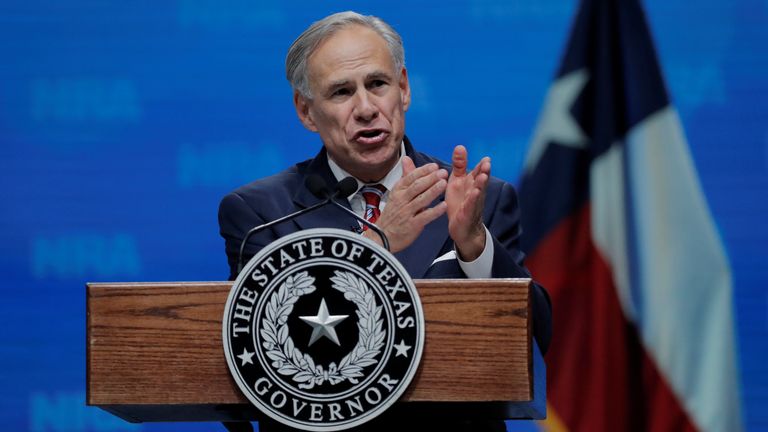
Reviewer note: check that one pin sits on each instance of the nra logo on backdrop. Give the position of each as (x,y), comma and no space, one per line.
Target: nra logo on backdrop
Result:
(76,255)
(323,330)
(85,99)
(218,164)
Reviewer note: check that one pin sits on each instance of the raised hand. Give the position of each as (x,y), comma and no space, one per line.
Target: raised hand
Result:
(465,197)
(407,212)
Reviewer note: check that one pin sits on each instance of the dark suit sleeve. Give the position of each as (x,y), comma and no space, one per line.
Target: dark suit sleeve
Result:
(502,219)
(236,217)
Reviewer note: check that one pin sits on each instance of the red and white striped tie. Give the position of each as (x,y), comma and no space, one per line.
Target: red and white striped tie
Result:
(372,195)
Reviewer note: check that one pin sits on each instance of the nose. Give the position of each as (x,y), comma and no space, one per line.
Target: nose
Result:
(365,108)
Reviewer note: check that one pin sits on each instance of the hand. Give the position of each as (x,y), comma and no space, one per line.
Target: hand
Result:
(465,197)
(406,213)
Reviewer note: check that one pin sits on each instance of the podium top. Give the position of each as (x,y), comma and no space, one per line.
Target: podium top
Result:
(154,350)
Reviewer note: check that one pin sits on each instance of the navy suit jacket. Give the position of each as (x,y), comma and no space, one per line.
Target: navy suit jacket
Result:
(270,198)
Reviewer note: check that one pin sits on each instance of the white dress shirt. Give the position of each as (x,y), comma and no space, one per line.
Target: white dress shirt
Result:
(479,268)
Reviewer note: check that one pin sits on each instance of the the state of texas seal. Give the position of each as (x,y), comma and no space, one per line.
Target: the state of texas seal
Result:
(323,330)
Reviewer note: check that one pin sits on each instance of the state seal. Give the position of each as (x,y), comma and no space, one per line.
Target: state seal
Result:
(323,330)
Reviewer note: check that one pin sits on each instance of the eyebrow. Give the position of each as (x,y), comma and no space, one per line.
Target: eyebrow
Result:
(335,85)
(378,75)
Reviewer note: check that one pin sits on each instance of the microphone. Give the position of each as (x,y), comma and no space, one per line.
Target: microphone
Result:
(319,188)
(345,188)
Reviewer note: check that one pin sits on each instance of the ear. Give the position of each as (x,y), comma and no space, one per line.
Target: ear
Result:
(302,106)
(405,89)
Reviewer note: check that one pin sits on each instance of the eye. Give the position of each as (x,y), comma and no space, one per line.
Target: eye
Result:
(341,92)
(378,83)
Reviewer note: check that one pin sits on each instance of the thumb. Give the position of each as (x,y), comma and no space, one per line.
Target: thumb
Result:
(459,161)
(408,165)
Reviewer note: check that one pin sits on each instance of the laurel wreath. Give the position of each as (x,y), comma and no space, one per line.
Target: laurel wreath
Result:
(290,361)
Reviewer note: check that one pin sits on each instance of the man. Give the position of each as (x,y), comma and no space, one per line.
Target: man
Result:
(351,87)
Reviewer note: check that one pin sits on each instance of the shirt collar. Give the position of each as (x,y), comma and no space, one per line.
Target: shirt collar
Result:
(388,181)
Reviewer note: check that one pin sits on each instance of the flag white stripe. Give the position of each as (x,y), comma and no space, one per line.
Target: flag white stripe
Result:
(682,273)
(685,276)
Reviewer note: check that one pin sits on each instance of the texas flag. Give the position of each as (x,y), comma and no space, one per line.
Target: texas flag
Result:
(618,231)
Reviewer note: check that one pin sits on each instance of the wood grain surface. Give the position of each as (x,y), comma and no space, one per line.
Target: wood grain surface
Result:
(160,343)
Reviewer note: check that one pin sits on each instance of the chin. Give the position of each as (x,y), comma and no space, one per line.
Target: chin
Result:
(385,156)
(374,169)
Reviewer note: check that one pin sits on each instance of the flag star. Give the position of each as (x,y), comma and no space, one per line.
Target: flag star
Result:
(323,324)
(402,349)
(556,124)
(246,357)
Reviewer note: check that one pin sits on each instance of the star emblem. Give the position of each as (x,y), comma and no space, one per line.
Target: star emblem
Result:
(402,349)
(556,124)
(246,357)
(323,324)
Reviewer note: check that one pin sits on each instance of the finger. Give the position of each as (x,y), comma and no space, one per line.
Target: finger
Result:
(442,173)
(484,166)
(459,161)
(408,165)
(473,199)
(423,184)
(430,214)
(481,181)
(478,198)
(416,173)
(425,198)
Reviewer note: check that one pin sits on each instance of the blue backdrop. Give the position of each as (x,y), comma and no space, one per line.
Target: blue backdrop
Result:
(122,124)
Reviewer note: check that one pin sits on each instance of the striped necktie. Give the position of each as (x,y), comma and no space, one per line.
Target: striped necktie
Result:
(372,195)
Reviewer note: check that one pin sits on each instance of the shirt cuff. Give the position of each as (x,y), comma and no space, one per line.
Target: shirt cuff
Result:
(480,268)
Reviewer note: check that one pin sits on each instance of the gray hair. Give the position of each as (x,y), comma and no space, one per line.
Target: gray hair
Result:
(303,47)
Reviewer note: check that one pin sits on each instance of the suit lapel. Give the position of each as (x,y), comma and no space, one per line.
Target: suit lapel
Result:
(427,247)
(327,216)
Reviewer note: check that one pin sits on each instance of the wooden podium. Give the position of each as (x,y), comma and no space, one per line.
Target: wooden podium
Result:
(154,352)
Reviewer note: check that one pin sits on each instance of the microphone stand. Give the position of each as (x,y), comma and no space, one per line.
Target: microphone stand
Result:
(329,198)
(274,222)
(376,229)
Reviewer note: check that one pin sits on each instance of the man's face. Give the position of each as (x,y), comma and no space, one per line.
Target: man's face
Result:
(358,102)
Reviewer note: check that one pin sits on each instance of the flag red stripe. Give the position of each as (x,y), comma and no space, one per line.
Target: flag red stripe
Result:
(599,377)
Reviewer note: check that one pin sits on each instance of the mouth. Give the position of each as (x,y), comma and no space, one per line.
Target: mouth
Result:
(370,136)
